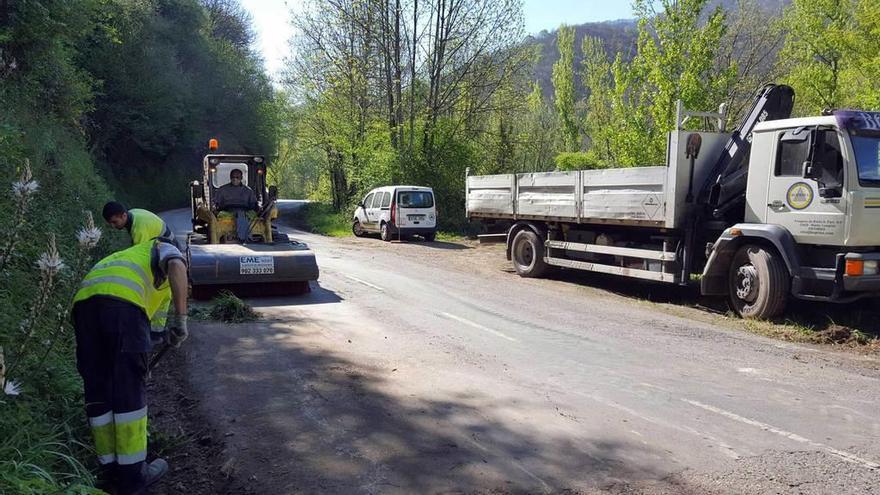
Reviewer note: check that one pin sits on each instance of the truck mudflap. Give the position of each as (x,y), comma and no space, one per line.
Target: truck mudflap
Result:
(274,267)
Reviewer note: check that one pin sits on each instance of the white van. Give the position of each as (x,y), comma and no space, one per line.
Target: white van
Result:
(397,211)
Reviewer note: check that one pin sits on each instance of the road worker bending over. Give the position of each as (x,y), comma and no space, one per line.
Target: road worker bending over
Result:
(111,317)
(239,200)
(142,225)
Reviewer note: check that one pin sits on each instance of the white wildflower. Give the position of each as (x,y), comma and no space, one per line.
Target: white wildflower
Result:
(25,185)
(12,388)
(89,235)
(88,238)
(50,262)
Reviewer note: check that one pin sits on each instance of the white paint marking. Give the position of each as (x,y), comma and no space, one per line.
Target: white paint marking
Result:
(752,371)
(725,448)
(365,283)
(477,326)
(846,456)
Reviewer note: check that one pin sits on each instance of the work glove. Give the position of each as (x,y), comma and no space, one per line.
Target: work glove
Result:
(177,331)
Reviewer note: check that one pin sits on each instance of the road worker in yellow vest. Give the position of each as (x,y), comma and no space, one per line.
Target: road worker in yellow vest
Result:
(142,225)
(111,318)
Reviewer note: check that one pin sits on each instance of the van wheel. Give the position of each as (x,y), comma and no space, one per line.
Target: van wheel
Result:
(357,229)
(528,254)
(758,283)
(385,232)
(430,237)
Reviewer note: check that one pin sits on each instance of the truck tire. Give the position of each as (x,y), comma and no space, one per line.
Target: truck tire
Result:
(385,232)
(430,237)
(758,283)
(527,253)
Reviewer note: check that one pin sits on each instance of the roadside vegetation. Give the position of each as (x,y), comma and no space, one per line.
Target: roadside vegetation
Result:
(98,100)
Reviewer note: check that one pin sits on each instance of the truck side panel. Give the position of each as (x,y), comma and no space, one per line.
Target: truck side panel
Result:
(491,196)
(624,194)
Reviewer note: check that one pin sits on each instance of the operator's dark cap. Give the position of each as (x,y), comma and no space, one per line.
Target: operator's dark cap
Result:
(113,208)
(235,171)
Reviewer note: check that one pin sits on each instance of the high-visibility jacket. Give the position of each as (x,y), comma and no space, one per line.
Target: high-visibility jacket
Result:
(133,275)
(144,225)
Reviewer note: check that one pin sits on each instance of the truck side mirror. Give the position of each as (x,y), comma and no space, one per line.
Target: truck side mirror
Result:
(830,192)
(273,193)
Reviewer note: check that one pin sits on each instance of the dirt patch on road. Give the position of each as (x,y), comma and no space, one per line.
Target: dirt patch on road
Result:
(195,451)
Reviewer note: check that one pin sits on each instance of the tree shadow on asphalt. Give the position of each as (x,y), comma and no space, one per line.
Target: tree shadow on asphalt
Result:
(863,315)
(306,420)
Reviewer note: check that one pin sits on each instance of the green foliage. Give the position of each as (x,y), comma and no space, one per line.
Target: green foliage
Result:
(632,106)
(830,53)
(162,69)
(230,309)
(577,161)
(563,86)
(321,218)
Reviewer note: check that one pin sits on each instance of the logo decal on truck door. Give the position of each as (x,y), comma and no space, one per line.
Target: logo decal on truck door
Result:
(800,195)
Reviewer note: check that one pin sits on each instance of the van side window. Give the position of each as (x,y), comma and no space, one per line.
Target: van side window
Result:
(386,200)
(791,157)
(368,202)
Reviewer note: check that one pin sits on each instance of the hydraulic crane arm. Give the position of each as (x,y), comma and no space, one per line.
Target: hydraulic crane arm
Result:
(725,185)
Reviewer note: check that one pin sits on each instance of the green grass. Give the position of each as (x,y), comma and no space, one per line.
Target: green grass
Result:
(321,219)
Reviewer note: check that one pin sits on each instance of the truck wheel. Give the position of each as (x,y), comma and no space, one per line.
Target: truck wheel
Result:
(528,254)
(357,229)
(430,237)
(385,232)
(758,283)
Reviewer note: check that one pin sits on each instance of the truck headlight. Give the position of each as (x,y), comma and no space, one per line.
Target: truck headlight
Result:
(871,267)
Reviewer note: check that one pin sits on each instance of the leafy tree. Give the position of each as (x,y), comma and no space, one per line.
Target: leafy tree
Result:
(563,87)
(829,54)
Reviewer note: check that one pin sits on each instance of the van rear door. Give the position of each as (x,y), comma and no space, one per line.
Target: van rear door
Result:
(416,209)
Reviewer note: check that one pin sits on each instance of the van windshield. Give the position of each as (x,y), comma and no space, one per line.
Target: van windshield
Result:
(415,199)
(867,151)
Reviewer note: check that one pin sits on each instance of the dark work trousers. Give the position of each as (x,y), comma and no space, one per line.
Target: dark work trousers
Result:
(112,346)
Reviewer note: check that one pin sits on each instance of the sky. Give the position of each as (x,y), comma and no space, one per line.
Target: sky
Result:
(271,19)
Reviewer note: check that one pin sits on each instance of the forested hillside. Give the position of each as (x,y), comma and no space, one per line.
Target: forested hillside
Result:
(420,90)
(98,99)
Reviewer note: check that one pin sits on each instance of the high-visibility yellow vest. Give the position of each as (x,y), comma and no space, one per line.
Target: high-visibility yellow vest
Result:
(127,275)
(146,225)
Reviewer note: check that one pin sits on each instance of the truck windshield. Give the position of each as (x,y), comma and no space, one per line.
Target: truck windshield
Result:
(867,151)
(415,199)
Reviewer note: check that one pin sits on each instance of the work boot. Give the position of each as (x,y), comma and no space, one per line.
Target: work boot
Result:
(151,473)
(106,478)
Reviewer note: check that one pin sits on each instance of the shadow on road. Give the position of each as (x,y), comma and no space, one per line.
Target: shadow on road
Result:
(301,420)
(317,295)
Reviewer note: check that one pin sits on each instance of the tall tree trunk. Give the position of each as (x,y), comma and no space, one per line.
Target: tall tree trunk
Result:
(412,76)
(388,63)
(398,88)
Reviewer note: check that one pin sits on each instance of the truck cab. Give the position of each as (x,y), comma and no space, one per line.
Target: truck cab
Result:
(814,193)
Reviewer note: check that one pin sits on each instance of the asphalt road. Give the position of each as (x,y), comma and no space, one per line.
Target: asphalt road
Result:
(432,368)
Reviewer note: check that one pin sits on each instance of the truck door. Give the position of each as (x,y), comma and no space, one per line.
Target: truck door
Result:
(805,192)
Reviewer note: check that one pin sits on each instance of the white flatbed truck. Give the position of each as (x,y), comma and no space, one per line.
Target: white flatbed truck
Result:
(779,207)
